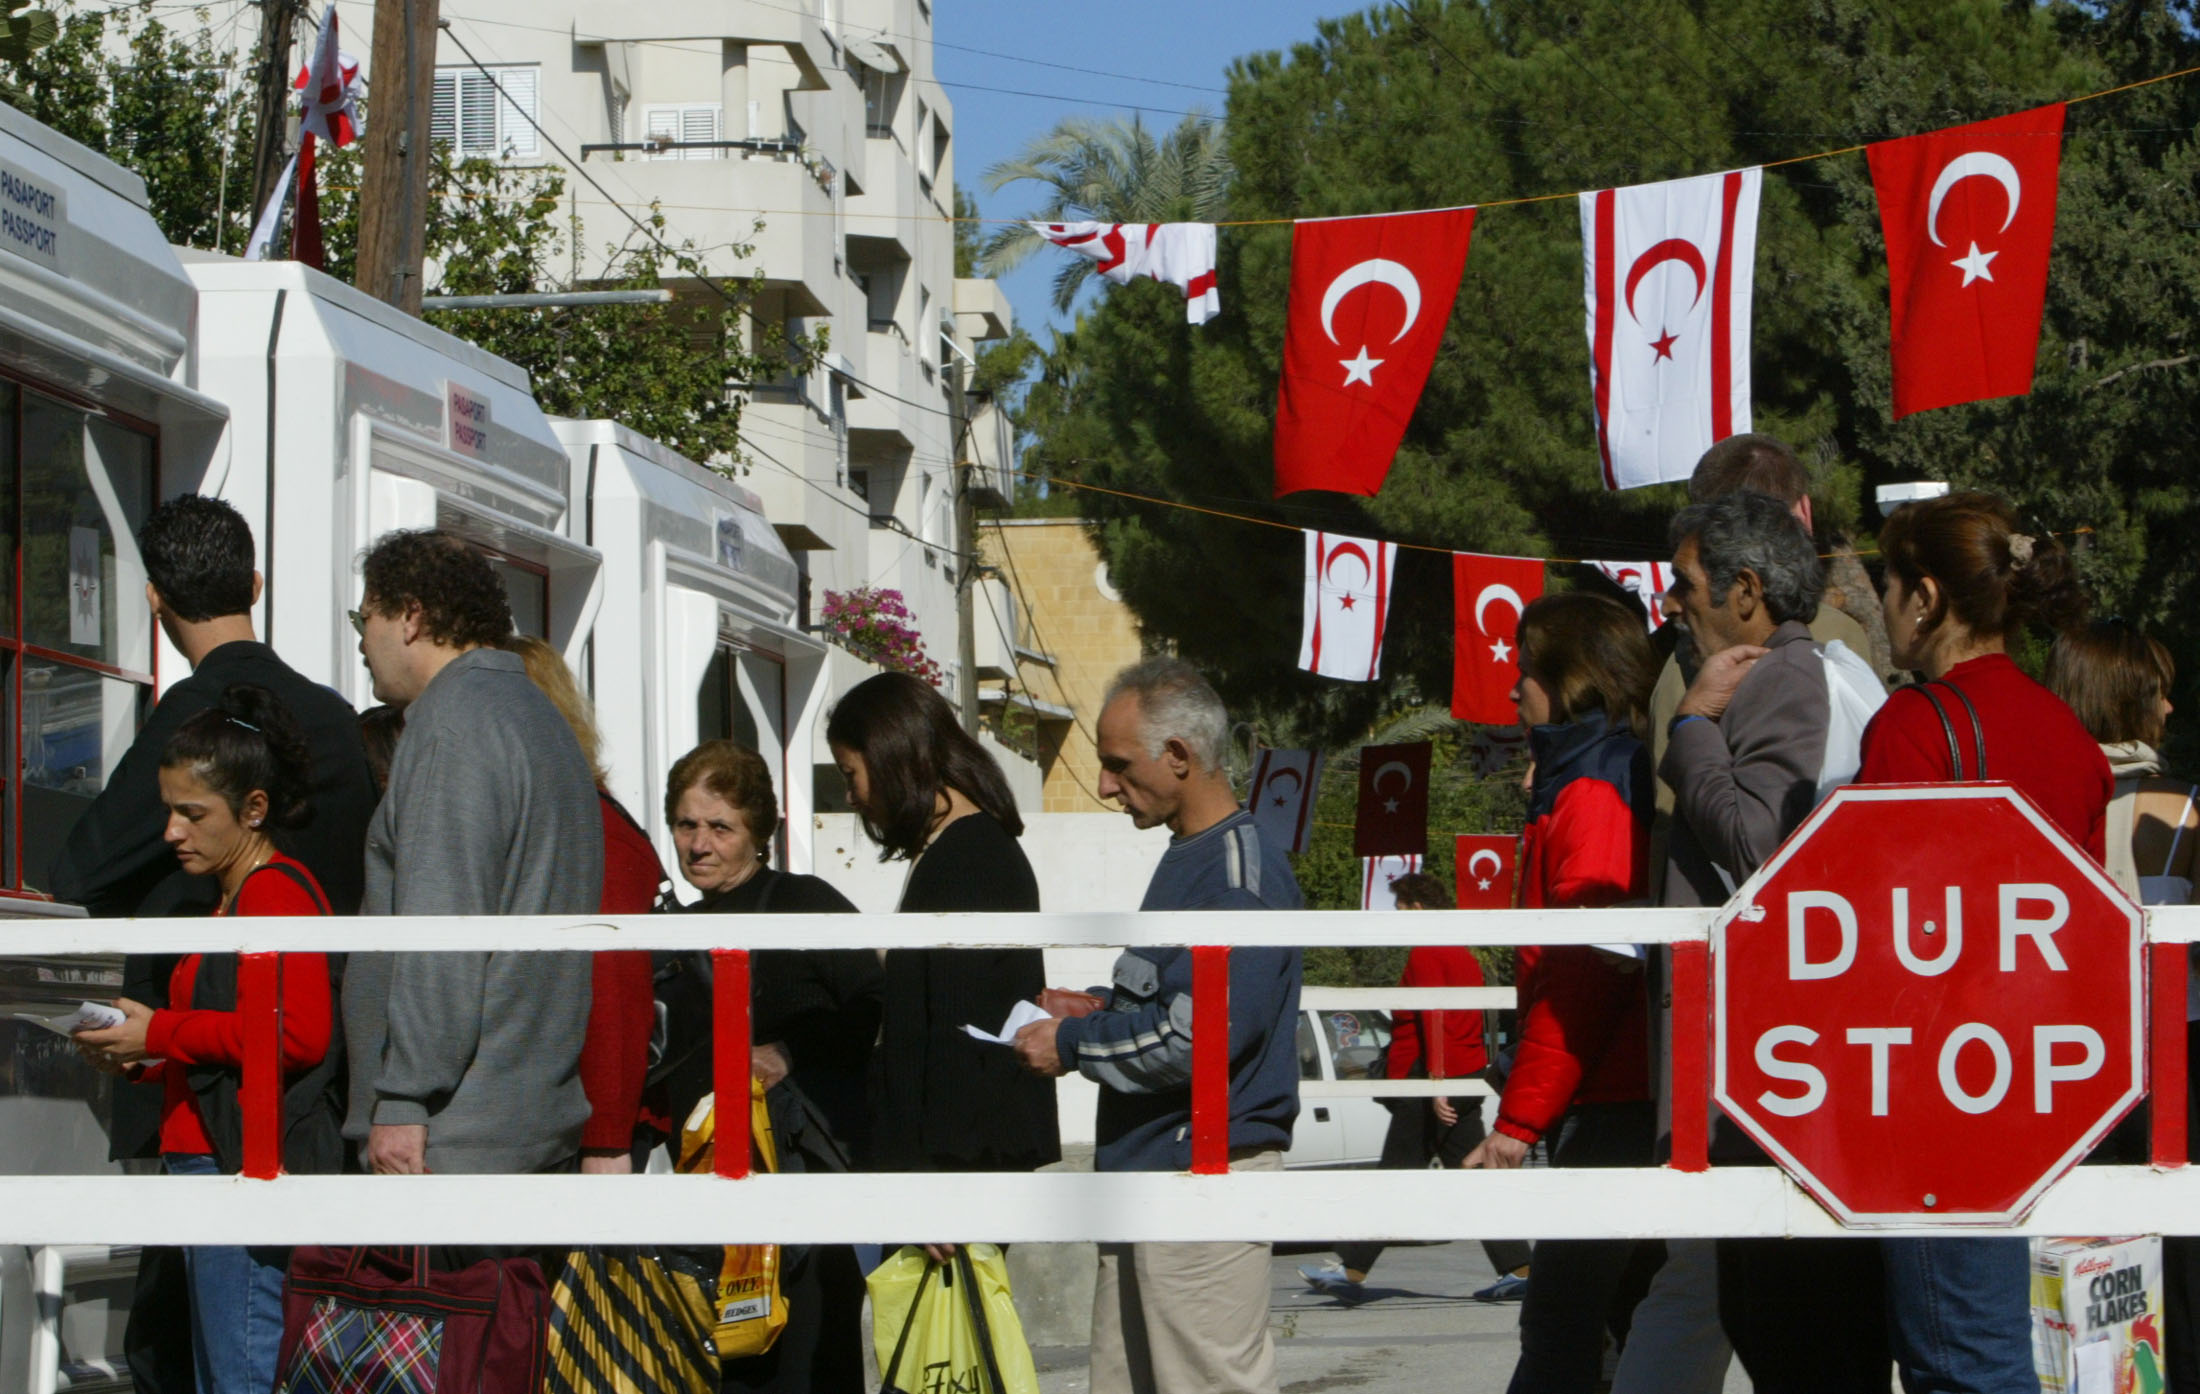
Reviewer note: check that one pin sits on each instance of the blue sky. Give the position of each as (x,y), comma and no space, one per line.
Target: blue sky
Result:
(1166,55)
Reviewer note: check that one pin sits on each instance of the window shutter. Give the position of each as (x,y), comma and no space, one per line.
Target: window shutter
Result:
(515,132)
(700,123)
(663,123)
(477,113)
(443,111)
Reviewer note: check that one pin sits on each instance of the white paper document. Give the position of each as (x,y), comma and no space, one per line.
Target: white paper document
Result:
(1025,1014)
(87,1016)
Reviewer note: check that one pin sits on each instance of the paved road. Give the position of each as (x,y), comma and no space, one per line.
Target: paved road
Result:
(1420,1332)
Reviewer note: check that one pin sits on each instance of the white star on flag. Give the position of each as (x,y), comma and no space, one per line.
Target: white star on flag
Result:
(1500,651)
(1361,369)
(1973,266)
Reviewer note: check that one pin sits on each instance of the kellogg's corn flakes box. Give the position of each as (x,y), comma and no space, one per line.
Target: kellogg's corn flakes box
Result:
(2097,1315)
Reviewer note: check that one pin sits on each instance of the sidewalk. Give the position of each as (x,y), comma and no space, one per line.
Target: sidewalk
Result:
(1419,1330)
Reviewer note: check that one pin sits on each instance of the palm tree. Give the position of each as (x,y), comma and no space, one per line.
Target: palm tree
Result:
(1116,172)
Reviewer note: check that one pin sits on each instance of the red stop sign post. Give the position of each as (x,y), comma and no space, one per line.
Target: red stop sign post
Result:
(1928,1005)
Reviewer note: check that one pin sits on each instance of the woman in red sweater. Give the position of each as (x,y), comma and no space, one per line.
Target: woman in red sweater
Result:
(1962,581)
(233,777)
(1586,670)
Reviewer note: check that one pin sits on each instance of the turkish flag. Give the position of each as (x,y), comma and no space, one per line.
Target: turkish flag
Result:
(1379,879)
(1969,214)
(1393,812)
(1668,270)
(1347,605)
(1488,594)
(1369,301)
(1282,797)
(1485,865)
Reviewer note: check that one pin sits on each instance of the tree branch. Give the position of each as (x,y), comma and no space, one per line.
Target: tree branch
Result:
(2142,367)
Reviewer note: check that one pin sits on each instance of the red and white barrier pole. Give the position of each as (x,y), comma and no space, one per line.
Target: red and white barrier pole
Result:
(1691,1056)
(2166,1029)
(730,1065)
(1210,1061)
(260,1096)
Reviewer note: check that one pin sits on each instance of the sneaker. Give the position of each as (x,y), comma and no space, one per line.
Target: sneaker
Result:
(1332,1281)
(1508,1288)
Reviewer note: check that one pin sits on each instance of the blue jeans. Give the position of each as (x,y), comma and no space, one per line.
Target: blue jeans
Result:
(1959,1315)
(236,1303)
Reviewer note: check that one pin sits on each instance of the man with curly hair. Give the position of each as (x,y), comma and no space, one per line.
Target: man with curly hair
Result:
(467,1062)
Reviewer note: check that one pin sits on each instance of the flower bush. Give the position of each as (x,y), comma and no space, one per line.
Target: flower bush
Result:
(874,624)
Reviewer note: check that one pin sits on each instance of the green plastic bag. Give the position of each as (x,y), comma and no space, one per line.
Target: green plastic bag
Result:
(948,1328)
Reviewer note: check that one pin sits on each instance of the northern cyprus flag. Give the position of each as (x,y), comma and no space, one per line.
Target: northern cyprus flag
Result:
(1347,605)
(1667,270)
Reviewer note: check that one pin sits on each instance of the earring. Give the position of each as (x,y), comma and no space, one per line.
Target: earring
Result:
(255,823)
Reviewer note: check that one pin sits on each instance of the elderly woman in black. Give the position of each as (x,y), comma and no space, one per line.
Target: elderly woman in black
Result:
(928,794)
(815,1016)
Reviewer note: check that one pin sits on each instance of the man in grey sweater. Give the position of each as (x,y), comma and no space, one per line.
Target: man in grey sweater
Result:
(464,1061)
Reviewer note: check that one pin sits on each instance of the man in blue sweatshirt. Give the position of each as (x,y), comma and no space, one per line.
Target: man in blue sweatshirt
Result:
(1179,1318)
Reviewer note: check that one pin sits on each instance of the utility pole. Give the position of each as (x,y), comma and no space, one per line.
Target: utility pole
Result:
(393,203)
(271,112)
(966,542)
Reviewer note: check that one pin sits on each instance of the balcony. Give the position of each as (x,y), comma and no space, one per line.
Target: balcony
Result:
(714,203)
(733,21)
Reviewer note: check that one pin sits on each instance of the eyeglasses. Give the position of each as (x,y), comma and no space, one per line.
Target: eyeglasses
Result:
(358,621)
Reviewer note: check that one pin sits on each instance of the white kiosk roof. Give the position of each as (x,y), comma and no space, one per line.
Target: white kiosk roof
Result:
(92,298)
(693,511)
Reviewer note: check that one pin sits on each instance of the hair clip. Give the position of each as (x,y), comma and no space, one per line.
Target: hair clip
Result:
(2020,548)
(242,722)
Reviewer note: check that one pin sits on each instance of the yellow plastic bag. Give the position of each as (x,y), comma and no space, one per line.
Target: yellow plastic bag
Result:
(948,1328)
(749,1310)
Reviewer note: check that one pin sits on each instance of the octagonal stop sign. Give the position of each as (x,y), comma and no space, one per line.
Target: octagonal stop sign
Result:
(1928,1005)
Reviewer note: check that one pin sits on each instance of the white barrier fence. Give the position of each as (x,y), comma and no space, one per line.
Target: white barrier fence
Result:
(1054,1206)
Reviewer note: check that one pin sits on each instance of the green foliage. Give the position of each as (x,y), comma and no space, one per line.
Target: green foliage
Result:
(23,32)
(174,109)
(969,241)
(1442,102)
(1116,172)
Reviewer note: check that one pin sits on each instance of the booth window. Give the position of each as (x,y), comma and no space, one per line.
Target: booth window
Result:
(76,634)
(471,117)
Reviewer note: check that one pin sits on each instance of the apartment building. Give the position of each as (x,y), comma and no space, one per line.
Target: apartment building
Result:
(804,140)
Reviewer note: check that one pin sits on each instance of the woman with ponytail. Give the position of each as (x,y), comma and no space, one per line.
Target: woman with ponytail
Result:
(234,780)
(1963,583)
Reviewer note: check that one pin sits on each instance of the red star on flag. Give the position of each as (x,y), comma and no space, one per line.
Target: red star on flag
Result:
(1664,343)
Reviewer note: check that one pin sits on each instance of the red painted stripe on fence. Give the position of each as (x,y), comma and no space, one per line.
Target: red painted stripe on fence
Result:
(2166,1045)
(1691,1057)
(730,1060)
(1210,1061)
(260,1096)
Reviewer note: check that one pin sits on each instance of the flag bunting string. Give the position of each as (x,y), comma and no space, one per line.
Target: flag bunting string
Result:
(1055,480)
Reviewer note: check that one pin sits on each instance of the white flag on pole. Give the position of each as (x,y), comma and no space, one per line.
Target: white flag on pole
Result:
(1668,270)
(271,217)
(1347,605)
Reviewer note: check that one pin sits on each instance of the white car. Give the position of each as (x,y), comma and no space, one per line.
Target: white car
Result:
(1340,1044)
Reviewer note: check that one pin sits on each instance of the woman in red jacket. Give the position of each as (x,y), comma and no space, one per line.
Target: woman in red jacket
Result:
(233,777)
(1586,670)
(1962,582)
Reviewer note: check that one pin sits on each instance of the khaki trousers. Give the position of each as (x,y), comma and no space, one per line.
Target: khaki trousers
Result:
(1185,1318)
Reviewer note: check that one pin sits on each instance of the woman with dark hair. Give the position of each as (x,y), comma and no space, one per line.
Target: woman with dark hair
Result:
(815,1016)
(1586,670)
(1962,582)
(234,779)
(928,794)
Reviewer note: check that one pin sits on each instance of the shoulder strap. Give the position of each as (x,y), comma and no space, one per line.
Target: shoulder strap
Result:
(1947,728)
(975,1302)
(1978,731)
(2177,836)
(305,883)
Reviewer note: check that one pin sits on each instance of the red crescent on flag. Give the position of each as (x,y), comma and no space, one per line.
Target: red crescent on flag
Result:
(1277,778)
(1367,568)
(1678,249)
